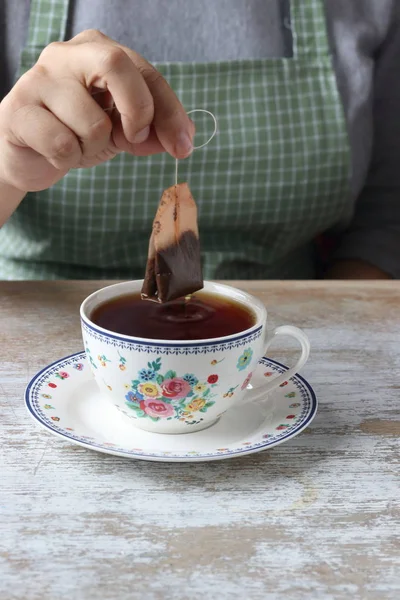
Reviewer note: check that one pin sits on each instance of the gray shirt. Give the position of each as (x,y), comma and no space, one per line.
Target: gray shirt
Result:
(365,43)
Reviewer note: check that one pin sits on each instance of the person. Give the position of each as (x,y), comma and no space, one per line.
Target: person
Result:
(307,98)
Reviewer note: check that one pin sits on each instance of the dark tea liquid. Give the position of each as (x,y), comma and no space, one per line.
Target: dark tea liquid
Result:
(202,316)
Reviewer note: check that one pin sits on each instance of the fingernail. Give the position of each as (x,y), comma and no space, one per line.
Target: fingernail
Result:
(142,136)
(184,145)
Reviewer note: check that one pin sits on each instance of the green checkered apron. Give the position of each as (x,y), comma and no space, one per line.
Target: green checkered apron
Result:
(275,177)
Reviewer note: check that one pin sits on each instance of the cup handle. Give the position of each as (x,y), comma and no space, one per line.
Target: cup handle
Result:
(254,394)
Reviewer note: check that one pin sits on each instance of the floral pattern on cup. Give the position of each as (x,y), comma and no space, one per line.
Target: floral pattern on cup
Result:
(103,360)
(122,362)
(230,392)
(154,395)
(216,362)
(89,355)
(246,381)
(244,359)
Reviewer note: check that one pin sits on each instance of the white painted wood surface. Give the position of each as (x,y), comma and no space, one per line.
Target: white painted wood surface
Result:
(317,517)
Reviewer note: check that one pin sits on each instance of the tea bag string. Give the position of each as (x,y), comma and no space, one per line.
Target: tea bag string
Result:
(195,110)
(207,112)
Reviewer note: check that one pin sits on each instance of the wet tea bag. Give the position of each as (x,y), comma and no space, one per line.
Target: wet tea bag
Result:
(174,264)
(173,267)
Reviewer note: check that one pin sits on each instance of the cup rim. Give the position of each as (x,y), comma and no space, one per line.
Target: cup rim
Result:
(259,309)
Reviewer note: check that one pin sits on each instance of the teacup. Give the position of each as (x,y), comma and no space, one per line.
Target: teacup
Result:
(177,386)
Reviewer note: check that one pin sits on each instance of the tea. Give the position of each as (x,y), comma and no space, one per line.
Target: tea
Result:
(203,316)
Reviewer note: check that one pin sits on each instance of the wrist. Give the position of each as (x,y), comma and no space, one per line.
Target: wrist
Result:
(8,192)
(10,198)
(7,183)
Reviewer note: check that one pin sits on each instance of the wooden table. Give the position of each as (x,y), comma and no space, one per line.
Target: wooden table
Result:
(315,518)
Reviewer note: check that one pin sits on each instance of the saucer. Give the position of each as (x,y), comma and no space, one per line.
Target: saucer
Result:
(65,399)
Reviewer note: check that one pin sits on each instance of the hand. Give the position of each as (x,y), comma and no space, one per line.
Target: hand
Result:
(355,269)
(54,118)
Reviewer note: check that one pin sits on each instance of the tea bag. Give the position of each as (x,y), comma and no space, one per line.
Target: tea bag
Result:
(174,264)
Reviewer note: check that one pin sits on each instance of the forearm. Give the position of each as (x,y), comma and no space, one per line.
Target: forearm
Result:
(10,199)
(355,269)
(376,244)
(370,248)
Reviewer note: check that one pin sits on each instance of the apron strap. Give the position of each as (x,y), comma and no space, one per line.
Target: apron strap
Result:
(310,34)
(48,21)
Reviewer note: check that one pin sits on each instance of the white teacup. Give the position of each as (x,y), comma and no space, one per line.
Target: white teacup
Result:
(180,386)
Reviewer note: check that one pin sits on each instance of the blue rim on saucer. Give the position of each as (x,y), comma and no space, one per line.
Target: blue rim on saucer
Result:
(53,395)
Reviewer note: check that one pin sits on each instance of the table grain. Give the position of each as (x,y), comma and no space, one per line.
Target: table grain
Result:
(317,517)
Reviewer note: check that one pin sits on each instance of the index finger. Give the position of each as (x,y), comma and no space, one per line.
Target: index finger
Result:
(174,128)
(172,125)
(105,66)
